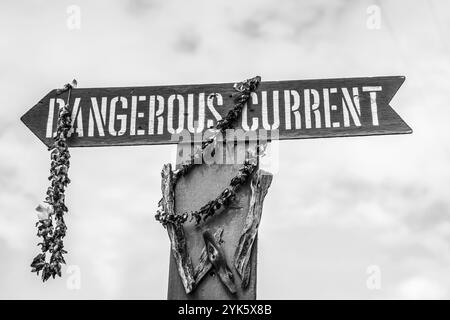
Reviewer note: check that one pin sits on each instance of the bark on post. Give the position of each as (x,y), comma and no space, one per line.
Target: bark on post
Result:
(176,233)
(259,185)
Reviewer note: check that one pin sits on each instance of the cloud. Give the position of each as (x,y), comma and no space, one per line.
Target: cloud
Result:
(335,206)
(419,288)
(141,7)
(188,41)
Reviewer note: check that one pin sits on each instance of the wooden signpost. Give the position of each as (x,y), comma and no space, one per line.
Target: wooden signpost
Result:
(217,259)
(150,115)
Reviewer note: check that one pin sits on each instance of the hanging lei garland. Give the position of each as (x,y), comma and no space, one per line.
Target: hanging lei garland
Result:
(51,226)
(227,196)
(53,213)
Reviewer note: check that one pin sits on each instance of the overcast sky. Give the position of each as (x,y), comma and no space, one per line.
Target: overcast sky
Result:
(335,207)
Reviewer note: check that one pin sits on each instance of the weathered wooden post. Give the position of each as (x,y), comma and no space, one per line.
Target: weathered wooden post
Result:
(235,228)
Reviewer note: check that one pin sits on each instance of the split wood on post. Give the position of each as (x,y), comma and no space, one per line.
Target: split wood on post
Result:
(260,184)
(176,231)
(204,264)
(217,258)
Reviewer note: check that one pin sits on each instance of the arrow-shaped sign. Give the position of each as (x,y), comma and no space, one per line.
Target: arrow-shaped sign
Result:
(151,115)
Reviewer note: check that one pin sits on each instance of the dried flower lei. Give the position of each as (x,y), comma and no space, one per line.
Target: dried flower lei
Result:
(244,90)
(54,213)
(51,226)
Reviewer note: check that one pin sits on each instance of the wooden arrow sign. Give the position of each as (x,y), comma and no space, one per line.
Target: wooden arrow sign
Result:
(151,115)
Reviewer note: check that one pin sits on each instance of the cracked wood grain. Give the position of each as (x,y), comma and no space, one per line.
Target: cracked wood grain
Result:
(217,258)
(259,185)
(176,232)
(204,264)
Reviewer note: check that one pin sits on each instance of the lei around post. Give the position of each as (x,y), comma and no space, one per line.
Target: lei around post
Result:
(51,226)
(244,90)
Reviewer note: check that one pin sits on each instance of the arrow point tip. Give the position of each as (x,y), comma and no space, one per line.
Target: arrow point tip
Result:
(23,118)
(408,130)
